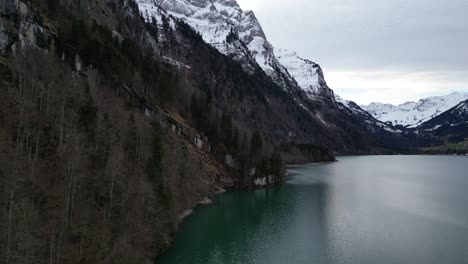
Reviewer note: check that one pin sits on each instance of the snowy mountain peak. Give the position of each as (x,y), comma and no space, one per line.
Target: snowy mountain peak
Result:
(308,74)
(216,19)
(413,114)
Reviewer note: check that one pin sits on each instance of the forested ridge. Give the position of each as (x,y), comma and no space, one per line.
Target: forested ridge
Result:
(105,143)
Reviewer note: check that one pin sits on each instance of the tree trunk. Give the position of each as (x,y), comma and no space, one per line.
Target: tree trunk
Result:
(47,102)
(10,213)
(62,117)
(72,209)
(111,196)
(98,129)
(68,192)
(35,158)
(59,244)
(51,249)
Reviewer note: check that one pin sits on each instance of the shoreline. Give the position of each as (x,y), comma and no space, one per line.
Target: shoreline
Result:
(211,199)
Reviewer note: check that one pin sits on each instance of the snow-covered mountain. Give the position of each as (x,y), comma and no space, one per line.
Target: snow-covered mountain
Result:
(308,75)
(365,117)
(215,20)
(451,125)
(413,114)
(220,22)
(239,35)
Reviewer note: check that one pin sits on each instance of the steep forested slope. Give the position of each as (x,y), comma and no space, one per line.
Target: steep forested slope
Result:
(100,158)
(114,124)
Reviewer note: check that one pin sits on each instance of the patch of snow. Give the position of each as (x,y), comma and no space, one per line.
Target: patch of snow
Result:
(175,63)
(434,128)
(320,118)
(463,108)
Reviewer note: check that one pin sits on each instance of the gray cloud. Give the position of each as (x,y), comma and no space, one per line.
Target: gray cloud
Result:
(392,36)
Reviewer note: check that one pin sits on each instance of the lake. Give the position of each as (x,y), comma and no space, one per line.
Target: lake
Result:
(360,210)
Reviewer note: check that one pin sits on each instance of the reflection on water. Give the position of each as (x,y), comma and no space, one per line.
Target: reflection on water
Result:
(387,209)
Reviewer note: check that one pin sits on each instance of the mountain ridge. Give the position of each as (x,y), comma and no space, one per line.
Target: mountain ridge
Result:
(238,34)
(216,20)
(116,122)
(450,126)
(413,114)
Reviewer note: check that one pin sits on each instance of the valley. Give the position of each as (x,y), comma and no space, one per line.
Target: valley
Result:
(119,117)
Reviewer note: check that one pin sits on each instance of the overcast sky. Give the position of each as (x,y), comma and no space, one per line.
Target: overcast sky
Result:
(375,50)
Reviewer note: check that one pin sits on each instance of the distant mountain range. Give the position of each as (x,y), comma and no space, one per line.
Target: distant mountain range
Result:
(413,114)
(451,125)
(238,34)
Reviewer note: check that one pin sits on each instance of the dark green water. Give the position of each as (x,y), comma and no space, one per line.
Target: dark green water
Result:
(360,210)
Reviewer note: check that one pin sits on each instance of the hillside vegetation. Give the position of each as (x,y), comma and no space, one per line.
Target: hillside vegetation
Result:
(106,143)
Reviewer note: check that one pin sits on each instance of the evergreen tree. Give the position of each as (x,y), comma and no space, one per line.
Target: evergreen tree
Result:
(131,142)
(256,143)
(154,166)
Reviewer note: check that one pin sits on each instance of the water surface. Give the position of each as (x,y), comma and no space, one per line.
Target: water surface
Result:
(360,210)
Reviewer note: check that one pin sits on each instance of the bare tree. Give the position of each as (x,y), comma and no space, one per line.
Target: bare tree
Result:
(9,227)
(114,170)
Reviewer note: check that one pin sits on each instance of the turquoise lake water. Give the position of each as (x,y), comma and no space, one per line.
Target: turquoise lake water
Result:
(360,210)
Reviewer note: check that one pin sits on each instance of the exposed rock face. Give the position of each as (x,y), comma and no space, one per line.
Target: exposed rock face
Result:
(216,21)
(28,31)
(8,7)
(6,38)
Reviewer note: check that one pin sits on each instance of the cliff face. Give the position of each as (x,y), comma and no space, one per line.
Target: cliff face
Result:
(29,30)
(215,21)
(308,75)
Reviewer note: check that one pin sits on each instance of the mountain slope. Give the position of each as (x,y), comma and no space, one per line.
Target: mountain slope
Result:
(451,125)
(413,114)
(216,21)
(328,125)
(115,125)
(371,122)
(392,138)
(308,75)
(106,132)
